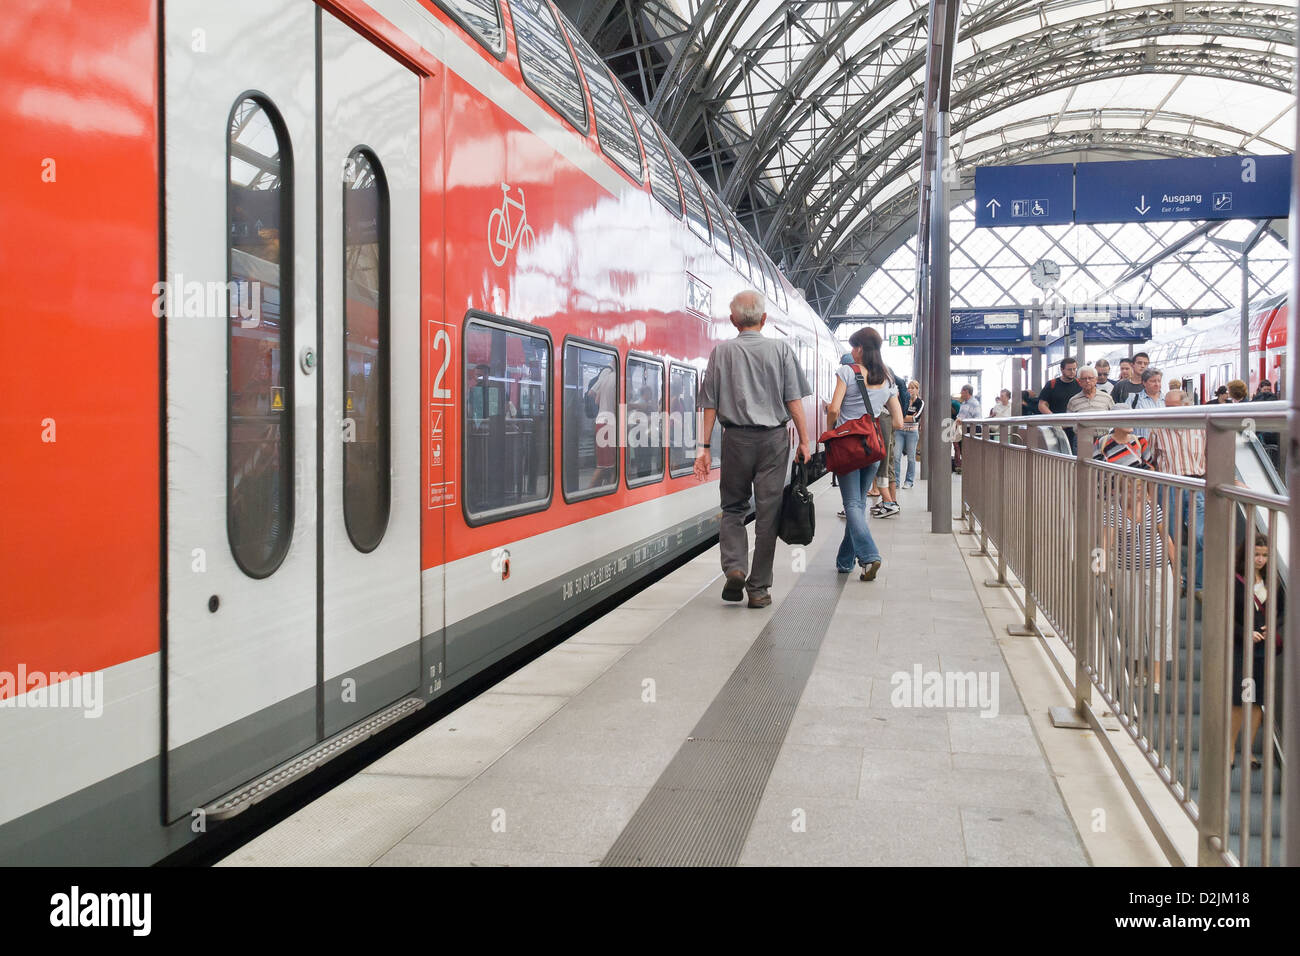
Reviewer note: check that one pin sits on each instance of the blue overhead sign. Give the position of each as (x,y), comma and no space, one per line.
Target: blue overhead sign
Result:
(987,326)
(1154,190)
(1111,323)
(1144,190)
(1007,348)
(1035,195)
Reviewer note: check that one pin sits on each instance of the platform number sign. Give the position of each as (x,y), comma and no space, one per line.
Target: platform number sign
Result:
(442,417)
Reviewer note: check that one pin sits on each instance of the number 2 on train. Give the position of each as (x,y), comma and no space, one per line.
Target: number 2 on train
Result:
(442,337)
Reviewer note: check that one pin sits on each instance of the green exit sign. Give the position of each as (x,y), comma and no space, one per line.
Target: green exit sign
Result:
(901,339)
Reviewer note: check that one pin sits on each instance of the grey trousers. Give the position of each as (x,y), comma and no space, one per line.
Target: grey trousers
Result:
(753,462)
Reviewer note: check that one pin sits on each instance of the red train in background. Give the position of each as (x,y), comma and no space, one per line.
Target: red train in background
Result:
(329,311)
(1206,352)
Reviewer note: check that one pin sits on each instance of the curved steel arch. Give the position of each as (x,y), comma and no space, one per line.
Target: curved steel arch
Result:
(795,104)
(888,226)
(896,154)
(976,73)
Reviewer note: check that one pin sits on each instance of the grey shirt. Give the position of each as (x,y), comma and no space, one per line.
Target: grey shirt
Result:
(750,378)
(852,405)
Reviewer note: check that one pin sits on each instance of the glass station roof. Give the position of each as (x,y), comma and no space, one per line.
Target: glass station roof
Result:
(818,104)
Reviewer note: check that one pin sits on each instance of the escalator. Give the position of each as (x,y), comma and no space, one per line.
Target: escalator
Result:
(1256,470)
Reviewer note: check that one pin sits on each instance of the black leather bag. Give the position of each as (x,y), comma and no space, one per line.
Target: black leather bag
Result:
(798,516)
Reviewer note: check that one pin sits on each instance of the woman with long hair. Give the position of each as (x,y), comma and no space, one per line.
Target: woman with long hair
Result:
(1251,584)
(876,395)
(909,434)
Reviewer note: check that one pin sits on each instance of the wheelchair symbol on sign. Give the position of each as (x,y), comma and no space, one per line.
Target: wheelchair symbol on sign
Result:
(503,234)
(1039,208)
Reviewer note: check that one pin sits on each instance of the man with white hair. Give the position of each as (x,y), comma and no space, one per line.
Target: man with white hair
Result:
(753,386)
(1090,398)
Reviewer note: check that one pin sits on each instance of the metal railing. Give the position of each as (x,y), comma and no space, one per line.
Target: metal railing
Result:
(1101,552)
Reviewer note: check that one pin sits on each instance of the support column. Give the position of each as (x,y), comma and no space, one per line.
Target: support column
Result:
(1291,451)
(1216,640)
(940,339)
(1245,317)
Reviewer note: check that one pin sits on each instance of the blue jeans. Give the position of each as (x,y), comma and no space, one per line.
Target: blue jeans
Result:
(1199,532)
(857,542)
(906,446)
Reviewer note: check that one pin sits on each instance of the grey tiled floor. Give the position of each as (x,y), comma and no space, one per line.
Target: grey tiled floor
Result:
(547,767)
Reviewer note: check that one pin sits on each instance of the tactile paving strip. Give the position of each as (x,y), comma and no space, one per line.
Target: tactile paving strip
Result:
(701,808)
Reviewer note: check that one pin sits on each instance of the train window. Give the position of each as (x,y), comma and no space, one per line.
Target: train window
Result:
(738,241)
(695,214)
(507,420)
(259,380)
(681,420)
(613,124)
(366,491)
(720,238)
(645,421)
(482,19)
(662,181)
(756,264)
(545,60)
(590,423)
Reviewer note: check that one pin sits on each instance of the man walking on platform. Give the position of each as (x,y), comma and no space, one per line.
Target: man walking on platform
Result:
(1126,390)
(753,385)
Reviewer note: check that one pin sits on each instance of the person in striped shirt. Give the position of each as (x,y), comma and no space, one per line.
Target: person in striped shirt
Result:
(1120,446)
(1140,578)
(1181,451)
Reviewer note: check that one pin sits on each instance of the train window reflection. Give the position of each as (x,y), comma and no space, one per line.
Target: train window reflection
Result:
(662,181)
(695,215)
(613,124)
(259,380)
(481,19)
(681,421)
(366,491)
(645,421)
(590,421)
(545,60)
(507,421)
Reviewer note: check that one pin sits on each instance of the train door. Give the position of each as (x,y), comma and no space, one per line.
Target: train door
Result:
(293,519)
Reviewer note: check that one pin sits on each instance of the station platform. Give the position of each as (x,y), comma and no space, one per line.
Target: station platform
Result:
(682,730)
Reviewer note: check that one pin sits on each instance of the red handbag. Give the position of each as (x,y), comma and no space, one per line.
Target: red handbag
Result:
(856,443)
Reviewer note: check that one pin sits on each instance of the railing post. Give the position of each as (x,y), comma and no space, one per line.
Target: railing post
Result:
(997,503)
(965,516)
(1212,801)
(1033,438)
(983,487)
(1083,545)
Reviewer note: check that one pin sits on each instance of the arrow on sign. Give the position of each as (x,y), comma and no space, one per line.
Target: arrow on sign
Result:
(1144,208)
(992,206)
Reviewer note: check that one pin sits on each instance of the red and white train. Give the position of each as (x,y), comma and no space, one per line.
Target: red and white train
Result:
(1206,352)
(310,301)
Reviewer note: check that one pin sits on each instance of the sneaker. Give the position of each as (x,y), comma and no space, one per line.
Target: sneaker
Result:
(908,485)
(876,509)
(869,572)
(841,514)
(734,589)
(888,509)
(760,600)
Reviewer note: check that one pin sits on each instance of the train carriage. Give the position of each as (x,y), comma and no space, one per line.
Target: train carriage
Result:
(266,530)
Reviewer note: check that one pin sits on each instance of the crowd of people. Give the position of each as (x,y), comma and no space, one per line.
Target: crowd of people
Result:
(1139,518)
(754,386)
